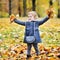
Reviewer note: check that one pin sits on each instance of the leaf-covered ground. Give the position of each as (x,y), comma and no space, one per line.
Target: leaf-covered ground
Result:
(13,48)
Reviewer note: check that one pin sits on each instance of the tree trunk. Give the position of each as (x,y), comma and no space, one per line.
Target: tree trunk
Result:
(19,10)
(58,13)
(58,9)
(33,5)
(24,7)
(50,2)
(9,7)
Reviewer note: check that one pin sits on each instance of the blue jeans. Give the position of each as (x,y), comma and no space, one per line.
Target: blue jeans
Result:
(29,46)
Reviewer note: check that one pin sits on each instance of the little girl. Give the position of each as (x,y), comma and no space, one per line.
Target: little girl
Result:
(32,29)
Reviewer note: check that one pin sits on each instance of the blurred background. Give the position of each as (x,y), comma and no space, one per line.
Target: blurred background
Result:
(21,7)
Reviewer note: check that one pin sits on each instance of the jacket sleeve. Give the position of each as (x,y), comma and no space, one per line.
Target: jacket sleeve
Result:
(19,22)
(43,20)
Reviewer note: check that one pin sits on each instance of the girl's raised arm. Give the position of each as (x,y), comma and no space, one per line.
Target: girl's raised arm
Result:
(19,22)
(13,19)
(50,14)
(43,20)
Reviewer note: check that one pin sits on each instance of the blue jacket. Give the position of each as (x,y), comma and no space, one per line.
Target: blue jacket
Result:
(32,28)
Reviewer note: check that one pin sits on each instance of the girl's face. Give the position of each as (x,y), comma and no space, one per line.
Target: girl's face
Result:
(31,17)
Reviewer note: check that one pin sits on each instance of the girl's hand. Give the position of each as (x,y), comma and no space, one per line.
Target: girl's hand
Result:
(12,17)
(50,12)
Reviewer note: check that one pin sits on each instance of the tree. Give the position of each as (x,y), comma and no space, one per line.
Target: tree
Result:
(9,7)
(33,5)
(50,2)
(24,7)
(58,9)
(19,8)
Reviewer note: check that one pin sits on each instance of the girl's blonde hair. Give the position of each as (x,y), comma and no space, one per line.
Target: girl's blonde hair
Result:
(34,14)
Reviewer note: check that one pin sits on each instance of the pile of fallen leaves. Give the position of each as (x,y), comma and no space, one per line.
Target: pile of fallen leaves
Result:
(20,51)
